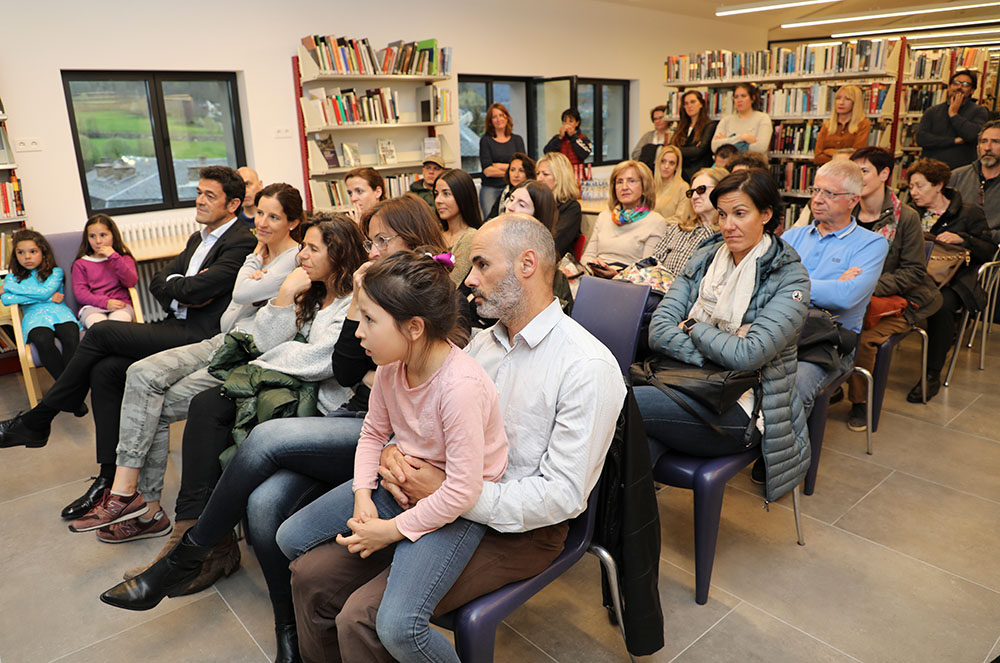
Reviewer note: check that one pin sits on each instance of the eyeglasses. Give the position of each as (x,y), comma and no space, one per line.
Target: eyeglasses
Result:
(962,83)
(629,181)
(817,193)
(379,241)
(700,190)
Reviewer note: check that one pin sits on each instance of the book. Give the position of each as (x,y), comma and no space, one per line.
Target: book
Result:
(386,152)
(432,145)
(329,150)
(352,155)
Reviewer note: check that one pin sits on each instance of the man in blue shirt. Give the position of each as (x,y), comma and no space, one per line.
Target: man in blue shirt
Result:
(843,259)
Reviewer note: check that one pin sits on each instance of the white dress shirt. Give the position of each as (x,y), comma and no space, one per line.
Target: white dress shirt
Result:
(561,391)
(208,240)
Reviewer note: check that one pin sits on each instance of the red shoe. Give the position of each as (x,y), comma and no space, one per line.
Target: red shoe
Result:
(136,529)
(110,509)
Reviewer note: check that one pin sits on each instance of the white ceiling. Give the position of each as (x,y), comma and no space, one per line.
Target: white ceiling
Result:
(772,20)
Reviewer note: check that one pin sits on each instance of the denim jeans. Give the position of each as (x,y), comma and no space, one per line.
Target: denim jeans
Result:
(488,196)
(283,465)
(421,573)
(670,427)
(811,379)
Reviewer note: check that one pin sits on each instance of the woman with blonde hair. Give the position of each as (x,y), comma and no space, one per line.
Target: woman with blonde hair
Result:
(847,126)
(629,229)
(496,149)
(699,223)
(669,183)
(554,170)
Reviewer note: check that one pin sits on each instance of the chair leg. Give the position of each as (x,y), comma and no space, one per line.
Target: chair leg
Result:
(611,572)
(707,515)
(477,649)
(958,345)
(924,341)
(798,517)
(868,407)
(31,385)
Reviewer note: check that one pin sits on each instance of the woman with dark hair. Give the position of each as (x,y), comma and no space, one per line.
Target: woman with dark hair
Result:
(739,303)
(496,149)
(952,221)
(694,134)
(747,128)
(522,167)
(570,140)
(535,199)
(365,188)
(455,202)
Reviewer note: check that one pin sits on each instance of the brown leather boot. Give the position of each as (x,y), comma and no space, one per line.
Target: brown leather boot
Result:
(222,561)
(180,527)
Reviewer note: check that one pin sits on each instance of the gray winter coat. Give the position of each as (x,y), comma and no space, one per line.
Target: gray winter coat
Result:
(777,312)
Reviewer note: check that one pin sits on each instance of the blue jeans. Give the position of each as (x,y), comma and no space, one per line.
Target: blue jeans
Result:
(811,379)
(421,574)
(488,196)
(283,465)
(670,427)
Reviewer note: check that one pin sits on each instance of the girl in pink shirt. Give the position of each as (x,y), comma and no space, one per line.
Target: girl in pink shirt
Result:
(103,272)
(435,403)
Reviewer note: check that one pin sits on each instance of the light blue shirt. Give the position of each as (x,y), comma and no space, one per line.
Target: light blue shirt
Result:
(208,240)
(828,256)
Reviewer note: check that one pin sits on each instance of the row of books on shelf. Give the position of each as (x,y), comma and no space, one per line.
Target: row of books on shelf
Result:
(792,212)
(11,201)
(864,55)
(336,107)
(817,100)
(6,339)
(793,177)
(919,97)
(324,155)
(349,56)
(333,193)
(930,65)
(799,139)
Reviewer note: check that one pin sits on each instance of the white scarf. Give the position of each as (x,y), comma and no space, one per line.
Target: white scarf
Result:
(726,288)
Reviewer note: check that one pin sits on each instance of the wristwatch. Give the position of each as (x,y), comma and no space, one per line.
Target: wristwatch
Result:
(688,324)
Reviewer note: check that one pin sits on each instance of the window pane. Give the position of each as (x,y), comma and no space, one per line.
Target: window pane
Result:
(115,133)
(551,99)
(585,104)
(613,117)
(201,130)
(471,122)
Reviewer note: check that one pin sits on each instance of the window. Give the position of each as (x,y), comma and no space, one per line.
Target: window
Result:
(475,95)
(536,105)
(141,138)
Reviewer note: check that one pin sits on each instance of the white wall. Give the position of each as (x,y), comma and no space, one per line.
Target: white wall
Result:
(258,37)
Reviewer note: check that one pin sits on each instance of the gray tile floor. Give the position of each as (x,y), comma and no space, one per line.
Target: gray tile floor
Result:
(900,562)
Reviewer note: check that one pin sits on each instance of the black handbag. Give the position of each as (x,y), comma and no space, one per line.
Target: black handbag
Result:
(823,340)
(713,386)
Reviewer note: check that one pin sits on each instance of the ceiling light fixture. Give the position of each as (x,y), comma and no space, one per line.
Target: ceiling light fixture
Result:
(957,33)
(937,26)
(954,44)
(752,7)
(908,12)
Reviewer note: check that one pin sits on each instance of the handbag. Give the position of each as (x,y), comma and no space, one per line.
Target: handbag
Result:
(711,385)
(823,340)
(647,271)
(892,306)
(946,259)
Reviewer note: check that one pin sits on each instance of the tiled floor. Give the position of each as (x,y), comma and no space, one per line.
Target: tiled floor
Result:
(900,562)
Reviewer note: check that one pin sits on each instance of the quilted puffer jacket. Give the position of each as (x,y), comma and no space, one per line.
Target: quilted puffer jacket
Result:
(776,312)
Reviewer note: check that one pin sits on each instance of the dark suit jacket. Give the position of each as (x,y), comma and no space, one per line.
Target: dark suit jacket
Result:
(213,284)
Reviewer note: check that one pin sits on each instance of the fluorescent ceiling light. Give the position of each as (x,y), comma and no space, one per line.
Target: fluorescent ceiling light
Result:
(956,33)
(752,7)
(907,12)
(829,43)
(938,26)
(924,47)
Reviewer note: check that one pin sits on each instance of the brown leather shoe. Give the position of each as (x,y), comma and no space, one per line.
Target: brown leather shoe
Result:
(180,527)
(224,560)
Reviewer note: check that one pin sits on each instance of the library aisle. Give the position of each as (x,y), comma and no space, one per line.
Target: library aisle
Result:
(900,561)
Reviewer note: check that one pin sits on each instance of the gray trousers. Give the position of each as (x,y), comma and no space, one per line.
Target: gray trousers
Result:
(158,390)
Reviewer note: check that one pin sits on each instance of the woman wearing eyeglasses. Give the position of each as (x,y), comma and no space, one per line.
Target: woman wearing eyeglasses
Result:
(739,303)
(629,229)
(701,222)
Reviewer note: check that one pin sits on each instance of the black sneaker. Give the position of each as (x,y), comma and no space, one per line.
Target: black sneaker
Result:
(81,411)
(857,420)
(758,473)
(13,433)
(933,387)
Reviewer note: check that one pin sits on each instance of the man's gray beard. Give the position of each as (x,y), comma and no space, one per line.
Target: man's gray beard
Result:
(992,157)
(506,301)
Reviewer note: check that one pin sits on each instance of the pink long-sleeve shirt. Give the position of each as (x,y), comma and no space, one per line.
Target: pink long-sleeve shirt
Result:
(452,421)
(95,281)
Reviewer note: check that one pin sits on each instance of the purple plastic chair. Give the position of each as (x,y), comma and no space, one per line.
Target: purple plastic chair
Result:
(612,312)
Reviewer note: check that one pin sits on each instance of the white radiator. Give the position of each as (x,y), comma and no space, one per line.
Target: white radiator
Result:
(153,242)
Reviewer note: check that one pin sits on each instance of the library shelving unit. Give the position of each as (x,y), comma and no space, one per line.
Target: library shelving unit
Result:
(12,218)
(797,87)
(353,107)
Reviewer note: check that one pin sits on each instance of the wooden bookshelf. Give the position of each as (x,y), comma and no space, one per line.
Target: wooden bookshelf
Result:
(12,218)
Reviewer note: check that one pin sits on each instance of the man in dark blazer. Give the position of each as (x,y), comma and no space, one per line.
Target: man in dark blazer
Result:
(194,289)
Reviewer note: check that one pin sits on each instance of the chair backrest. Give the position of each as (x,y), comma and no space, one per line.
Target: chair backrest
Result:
(928,250)
(612,312)
(65,246)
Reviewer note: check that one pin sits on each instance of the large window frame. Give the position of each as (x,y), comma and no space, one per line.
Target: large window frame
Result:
(154,81)
(534,142)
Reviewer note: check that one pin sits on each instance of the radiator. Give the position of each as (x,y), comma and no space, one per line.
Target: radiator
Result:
(153,242)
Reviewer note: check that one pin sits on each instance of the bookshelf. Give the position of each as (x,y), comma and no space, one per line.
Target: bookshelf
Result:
(360,107)
(12,218)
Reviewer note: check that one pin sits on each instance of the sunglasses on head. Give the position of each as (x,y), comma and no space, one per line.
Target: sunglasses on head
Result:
(700,190)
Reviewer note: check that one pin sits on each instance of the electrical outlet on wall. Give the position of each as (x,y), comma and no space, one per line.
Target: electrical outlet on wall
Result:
(28,145)
(282,132)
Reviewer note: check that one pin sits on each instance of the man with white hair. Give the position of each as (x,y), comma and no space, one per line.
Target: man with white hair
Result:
(253,184)
(844,262)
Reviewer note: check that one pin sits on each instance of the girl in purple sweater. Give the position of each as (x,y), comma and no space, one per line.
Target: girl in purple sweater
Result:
(103,272)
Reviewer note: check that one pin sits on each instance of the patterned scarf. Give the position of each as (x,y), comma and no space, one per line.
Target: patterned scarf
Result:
(889,230)
(623,217)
